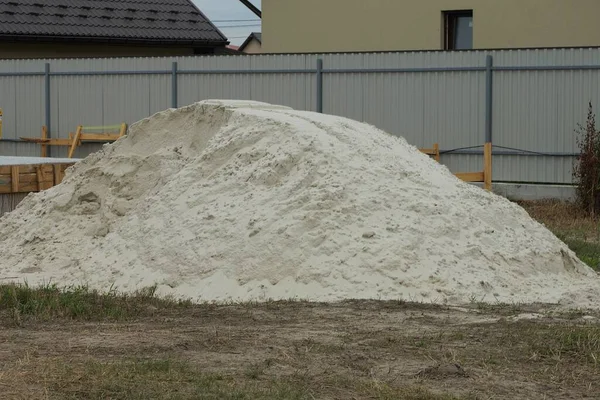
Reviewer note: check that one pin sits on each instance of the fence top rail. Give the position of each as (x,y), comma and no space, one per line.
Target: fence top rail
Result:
(308,70)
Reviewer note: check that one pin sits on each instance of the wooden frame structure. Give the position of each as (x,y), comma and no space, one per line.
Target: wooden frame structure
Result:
(82,134)
(31,177)
(484,176)
(434,151)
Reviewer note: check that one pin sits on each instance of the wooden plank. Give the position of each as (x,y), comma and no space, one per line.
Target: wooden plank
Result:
(25,188)
(7,169)
(48,142)
(31,168)
(14,178)
(40,178)
(123,130)
(76,142)
(57,178)
(470,176)
(27,178)
(103,137)
(44,151)
(430,152)
(487,166)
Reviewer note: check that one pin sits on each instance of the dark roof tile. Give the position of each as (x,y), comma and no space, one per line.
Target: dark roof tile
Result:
(138,20)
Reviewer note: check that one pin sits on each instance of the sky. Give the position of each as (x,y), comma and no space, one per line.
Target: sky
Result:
(231,17)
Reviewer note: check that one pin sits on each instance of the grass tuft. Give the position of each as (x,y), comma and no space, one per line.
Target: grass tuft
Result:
(20,301)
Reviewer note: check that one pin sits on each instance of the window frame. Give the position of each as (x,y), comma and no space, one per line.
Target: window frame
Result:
(449,21)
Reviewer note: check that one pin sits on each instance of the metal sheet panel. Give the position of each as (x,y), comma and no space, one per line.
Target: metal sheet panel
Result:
(424,107)
(22,101)
(533,110)
(537,57)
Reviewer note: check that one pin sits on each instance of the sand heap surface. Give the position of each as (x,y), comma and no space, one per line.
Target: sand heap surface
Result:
(241,200)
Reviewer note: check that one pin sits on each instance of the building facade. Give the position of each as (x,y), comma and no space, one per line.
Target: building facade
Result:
(298,26)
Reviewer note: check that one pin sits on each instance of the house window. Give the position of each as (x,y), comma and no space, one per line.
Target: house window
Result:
(458,30)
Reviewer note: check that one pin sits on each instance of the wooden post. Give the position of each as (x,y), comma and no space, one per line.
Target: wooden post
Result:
(57,177)
(75,142)
(123,130)
(40,177)
(487,166)
(44,137)
(436,148)
(14,178)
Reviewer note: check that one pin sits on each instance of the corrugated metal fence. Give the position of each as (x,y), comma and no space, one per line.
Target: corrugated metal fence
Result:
(528,101)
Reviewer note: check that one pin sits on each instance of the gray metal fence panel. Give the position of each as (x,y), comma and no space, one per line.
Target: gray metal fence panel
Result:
(539,97)
(22,102)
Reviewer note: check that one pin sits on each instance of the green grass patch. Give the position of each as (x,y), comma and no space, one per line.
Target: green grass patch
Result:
(537,342)
(171,379)
(78,303)
(588,252)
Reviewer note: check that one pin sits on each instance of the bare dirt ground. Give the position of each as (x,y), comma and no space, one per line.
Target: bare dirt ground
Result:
(296,350)
(76,344)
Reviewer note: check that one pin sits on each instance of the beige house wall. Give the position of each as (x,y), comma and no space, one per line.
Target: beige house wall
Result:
(35,50)
(290,26)
(253,47)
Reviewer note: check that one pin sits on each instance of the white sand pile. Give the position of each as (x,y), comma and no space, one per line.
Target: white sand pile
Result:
(242,200)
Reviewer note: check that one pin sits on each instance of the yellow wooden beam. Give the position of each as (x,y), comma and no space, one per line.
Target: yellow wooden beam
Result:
(487,166)
(14,178)
(76,141)
(470,176)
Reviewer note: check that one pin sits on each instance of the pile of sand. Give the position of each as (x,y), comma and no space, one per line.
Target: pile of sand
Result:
(244,200)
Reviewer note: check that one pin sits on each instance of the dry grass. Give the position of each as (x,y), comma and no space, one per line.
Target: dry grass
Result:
(76,343)
(289,350)
(175,379)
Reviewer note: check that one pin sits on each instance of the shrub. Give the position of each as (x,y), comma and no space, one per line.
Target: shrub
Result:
(586,171)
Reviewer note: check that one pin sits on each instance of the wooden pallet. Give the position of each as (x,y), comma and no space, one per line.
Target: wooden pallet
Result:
(31,178)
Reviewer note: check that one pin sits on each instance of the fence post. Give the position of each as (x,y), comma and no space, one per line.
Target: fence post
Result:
(319,85)
(174,85)
(489,86)
(47,105)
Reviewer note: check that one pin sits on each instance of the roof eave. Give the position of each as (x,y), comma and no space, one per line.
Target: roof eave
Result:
(112,40)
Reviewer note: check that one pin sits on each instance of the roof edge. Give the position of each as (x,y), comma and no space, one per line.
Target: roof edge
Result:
(210,22)
(109,40)
(253,35)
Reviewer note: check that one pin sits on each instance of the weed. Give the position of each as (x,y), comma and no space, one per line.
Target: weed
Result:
(586,171)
